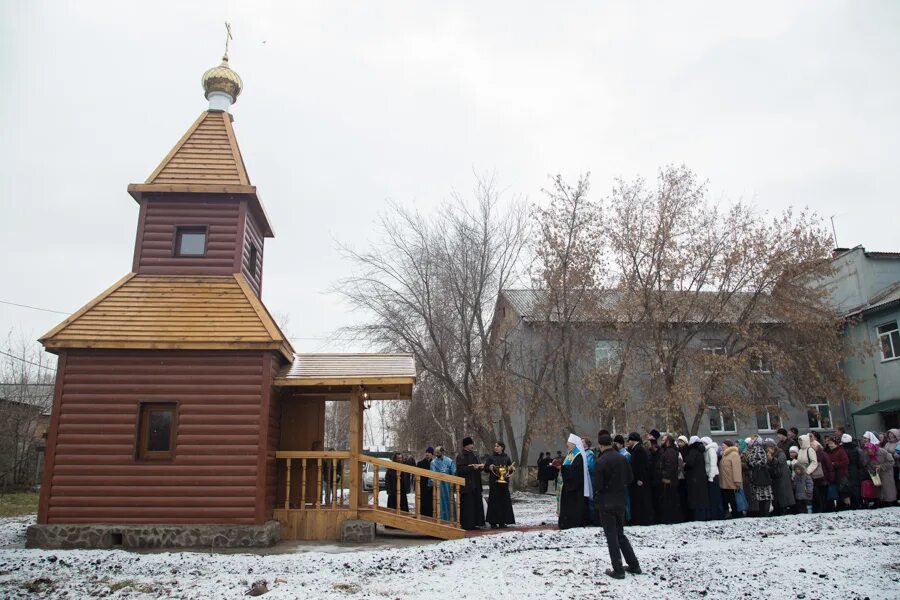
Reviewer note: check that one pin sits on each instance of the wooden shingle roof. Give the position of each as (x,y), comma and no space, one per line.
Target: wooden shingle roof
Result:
(385,376)
(172,312)
(207,153)
(206,160)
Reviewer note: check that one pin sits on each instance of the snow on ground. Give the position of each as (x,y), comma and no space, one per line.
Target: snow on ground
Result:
(846,555)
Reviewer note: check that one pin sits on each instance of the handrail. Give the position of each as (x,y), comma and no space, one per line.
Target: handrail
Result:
(310,454)
(405,468)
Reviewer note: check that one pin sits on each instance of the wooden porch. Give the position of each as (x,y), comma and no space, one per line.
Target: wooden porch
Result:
(317,490)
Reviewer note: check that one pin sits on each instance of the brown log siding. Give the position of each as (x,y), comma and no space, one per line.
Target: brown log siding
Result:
(253,235)
(214,476)
(273,442)
(156,239)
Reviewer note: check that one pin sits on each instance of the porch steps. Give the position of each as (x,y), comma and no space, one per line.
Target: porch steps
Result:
(424,526)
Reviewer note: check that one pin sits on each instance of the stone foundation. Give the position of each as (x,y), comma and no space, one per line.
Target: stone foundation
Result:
(153,536)
(354,531)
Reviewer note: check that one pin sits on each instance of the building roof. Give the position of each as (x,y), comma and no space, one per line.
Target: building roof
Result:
(207,160)
(533,305)
(207,153)
(888,298)
(385,376)
(172,312)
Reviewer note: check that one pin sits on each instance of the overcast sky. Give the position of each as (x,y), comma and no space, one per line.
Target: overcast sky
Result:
(349,104)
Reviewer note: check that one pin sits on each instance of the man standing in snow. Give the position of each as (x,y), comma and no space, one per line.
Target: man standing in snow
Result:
(426,497)
(611,477)
(471,504)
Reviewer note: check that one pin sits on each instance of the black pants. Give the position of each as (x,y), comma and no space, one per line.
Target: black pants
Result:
(820,495)
(543,486)
(613,522)
(729,500)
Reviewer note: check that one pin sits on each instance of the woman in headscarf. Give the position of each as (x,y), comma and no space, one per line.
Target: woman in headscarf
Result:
(575,491)
(760,477)
(880,463)
(782,489)
(891,441)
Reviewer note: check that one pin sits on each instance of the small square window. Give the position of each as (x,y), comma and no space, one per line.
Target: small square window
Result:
(819,416)
(251,260)
(156,431)
(759,363)
(190,241)
(889,339)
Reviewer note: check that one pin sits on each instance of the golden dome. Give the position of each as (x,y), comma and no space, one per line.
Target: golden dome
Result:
(222,79)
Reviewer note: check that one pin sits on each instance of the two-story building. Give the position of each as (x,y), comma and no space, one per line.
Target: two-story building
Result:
(865,288)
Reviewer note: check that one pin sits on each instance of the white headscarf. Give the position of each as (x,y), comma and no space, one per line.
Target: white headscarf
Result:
(694,439)
(872,438)
(575,439)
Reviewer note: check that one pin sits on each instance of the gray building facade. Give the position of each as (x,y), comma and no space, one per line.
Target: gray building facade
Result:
(865,288)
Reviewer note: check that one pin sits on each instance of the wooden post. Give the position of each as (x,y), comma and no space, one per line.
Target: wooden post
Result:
(356,449)
(318,502)
(303,483)
(334,463)
(397,490)
(375,486)
(418,499)
(457,503)
(436,499)
(287,487)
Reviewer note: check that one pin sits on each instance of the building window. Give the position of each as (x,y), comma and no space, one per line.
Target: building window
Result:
(606,356)
(889,338)
(713,348)
(721,420)
(251,260)
(768,419)
(759,363)
(156,431)
(190,241)
(819,416)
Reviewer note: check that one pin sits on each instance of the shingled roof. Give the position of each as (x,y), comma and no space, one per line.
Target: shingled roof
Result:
(207,153)
(172,312)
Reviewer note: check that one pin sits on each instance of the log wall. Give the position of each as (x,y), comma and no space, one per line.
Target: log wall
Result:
(154,250)
(93,473)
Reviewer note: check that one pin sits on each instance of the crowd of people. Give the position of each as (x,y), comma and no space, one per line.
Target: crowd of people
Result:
(470,467)
(675,478)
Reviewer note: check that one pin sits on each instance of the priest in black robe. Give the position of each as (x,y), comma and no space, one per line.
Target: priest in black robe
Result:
(499,511)
(392,486)
(639,489)
(426,491)
(469,467)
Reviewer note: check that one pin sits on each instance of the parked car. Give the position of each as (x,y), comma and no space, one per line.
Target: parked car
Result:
(369,475)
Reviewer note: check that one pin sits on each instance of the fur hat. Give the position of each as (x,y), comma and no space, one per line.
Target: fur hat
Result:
(634,436)
(604,440)
(429,450)
(467,440)
(654,434)
(619,440)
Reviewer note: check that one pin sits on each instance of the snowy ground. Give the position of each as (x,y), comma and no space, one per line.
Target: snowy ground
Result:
(848,555)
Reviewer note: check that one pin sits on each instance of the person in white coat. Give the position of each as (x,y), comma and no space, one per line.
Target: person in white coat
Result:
(712,478)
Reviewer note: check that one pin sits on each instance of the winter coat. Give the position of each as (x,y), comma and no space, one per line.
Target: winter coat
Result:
(855,466)
(757,459)
(781,486)
(695,476)
(730,476)
(841,464)
(883,464)
(803,487)
(611,478)
(807,457)
(641,501)
(825,461)
(712,461)
(666,465)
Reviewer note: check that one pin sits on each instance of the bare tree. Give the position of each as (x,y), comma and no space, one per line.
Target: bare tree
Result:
(546,371)
(430,286)
(26,396)
(717,302)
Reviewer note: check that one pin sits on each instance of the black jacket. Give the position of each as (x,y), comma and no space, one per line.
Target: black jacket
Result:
(612,475)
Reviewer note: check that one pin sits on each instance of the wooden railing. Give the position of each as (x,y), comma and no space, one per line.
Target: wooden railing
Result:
(314,480)
(453,485)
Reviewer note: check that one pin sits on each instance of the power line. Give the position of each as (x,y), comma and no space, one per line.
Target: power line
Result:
(34,307)
(26,361)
